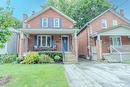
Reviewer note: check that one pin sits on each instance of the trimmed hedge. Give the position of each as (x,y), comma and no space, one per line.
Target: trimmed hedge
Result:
(52,54)
(8,58)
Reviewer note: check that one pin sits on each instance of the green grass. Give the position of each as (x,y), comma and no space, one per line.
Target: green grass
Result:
(44,75)
(126,62)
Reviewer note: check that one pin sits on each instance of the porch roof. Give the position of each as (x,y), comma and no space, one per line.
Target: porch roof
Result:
(49,31)
(120,30)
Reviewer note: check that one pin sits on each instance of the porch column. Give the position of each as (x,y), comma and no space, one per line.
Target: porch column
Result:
(99,47)
(21,44)
(76,45)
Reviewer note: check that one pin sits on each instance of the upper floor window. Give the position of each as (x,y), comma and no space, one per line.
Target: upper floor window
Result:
(104,23)
(114,22)
(44,22)
(56,22)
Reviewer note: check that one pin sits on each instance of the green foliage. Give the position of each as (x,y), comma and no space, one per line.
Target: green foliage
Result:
(8,58)
(81,11)
(18,24)
(45,59)
(51,54)
(40,57)
(31,58)
(19,59)
(7,21)
(57,58)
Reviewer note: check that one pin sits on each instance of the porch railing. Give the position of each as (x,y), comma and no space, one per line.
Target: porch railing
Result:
(116,50)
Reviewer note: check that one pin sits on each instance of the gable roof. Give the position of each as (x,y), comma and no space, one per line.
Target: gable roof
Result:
(44,10)
(112,11)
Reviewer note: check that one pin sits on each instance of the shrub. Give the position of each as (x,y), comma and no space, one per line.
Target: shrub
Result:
(8,58)
(51,54)
(45,59)
(31,58)
(19,59)
(57,58)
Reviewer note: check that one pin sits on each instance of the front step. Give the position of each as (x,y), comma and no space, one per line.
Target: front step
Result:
(115,57)
(69,57)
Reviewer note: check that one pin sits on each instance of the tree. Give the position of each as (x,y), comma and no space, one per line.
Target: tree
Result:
(81,11)
(6,21)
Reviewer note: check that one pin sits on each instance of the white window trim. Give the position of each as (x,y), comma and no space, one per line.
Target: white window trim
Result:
(114,22)
(104,21)
(116,37)
(41,40)
(44,18)
(54,22)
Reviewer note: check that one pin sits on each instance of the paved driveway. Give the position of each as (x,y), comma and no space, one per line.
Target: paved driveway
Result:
(98,75)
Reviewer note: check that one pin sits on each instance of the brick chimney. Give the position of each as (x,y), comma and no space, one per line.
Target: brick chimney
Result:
(25,16)
(121,12)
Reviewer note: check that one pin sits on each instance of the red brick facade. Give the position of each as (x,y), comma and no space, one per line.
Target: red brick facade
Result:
(50,13)
(95,26)
(34,22)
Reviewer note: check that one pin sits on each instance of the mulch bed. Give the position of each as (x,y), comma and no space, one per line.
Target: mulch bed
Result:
(5,79)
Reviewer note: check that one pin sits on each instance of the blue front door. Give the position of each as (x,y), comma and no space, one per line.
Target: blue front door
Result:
(64,43)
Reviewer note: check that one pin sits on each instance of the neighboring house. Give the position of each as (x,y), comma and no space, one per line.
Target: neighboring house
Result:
(107,33)
(10,47)
(49,30)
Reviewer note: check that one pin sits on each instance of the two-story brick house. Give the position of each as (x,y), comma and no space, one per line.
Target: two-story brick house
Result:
(49,30)
(105,34)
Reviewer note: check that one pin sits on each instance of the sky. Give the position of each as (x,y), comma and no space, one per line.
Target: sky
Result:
(20,7)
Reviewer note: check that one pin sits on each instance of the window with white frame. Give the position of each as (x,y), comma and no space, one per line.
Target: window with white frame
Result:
(115,41)
(104,23)
(44,22)
(43,41)
(114,22)
(56,22)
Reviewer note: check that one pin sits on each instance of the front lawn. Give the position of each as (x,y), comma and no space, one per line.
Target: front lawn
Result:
(126,62)
(35,75)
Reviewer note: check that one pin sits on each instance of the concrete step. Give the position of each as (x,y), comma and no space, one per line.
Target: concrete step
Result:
(70,58)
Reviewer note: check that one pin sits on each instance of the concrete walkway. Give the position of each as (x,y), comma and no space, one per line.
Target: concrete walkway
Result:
(98,75)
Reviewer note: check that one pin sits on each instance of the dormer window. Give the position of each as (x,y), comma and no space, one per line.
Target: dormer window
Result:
(114,22)
(44,22)
(56,22)
(104,23)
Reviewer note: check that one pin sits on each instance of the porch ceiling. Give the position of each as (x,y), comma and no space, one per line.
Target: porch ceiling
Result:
(120,30)
(49,31)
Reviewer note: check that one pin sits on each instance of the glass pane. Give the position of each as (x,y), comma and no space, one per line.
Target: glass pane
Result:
(48,41)
(115,41)
(44,22)
(118,42)
(43,41)
(111,42)
(57,22)
(39,40)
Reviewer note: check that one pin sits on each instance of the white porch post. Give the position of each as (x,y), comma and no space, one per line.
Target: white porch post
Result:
(76,45)
(99,47)
(20,45)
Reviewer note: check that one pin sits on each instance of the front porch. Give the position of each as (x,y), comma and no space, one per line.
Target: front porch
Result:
(112,44)
(53,40)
